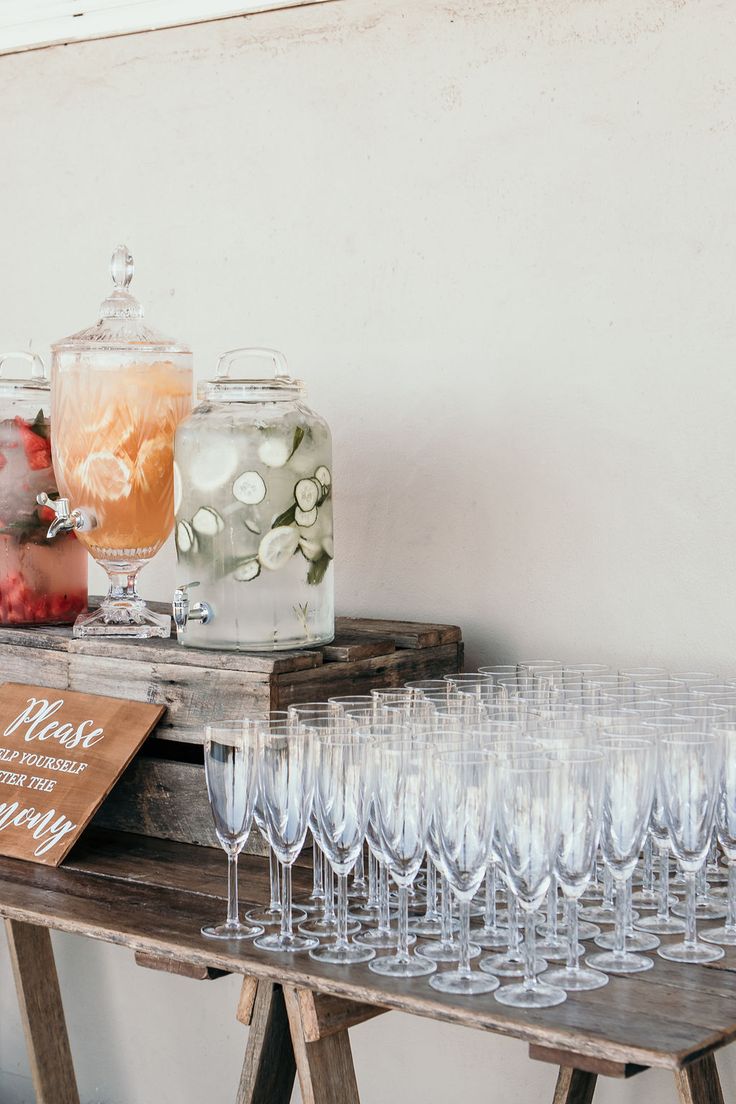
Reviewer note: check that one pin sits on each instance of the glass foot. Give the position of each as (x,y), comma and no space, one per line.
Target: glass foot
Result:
(576,980)
(123,617)
(506,966)
(443,952)
(690,952)
(644,899)
(711,909)
(725,936)
(635,941)
(327,929)
(400,966)
(290,944)
(344,955)
(364,914)
(490,938)
(381,940)
(539,995)
(598,914)
(428,927)
(310,904)
(231,931)
(587,930)
(271,918)
(668,926)
(463,985)
(626,963)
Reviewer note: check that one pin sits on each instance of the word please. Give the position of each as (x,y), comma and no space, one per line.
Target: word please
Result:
(38,711)
(47,827)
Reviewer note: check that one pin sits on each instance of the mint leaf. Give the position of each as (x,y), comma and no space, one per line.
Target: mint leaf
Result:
(299,433)
(287,518)
(317,570)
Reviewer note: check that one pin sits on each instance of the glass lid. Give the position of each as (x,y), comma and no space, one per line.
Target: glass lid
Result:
(15,386)
(229,386)
(120,324)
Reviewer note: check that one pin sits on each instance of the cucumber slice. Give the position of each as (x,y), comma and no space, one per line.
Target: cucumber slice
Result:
(184,536)
(177,488)
(305,518)
(329,546)
(251,569)
(252,525)
(274,451)
(324,476)
(310,549)
(207,522)
(249,488)
(307,493)
(278,546)
(215,466)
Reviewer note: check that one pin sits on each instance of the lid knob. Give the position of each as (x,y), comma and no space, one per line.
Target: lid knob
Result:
(121,267)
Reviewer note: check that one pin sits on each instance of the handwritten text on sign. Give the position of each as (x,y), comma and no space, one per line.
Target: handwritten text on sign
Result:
(60,755)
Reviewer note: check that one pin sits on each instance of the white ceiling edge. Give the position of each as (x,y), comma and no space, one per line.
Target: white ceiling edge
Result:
(34,24)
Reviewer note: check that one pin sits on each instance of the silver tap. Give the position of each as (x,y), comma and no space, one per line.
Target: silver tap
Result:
(184,611)
(66,520)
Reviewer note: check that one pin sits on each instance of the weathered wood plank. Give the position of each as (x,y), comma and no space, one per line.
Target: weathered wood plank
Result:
(584,1062)
(574,1086)
(406,634)
(167,964)
(324,1015)
(42,1013)
(269,1067)
(349,648)
(325,1066)
(246,1000)
(699,1082)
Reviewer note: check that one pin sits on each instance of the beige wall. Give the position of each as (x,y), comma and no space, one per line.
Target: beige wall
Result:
(496,239)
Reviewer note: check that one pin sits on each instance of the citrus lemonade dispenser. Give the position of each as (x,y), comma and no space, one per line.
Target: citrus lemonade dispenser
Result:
(119,390)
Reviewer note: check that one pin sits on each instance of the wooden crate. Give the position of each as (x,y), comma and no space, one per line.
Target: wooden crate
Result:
(162,793)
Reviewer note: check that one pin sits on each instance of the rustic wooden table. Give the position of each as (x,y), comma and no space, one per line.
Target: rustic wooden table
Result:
(153,896)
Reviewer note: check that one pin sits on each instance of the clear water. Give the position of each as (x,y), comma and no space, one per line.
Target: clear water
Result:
(285,606)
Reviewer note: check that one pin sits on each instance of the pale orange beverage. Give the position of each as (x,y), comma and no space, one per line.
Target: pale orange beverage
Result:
(114,450)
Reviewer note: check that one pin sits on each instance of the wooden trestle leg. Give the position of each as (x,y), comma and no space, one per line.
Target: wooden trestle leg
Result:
(42,1013)
(699,1082)
(574,1086)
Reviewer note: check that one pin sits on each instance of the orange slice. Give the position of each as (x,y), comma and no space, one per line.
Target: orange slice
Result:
(105,476)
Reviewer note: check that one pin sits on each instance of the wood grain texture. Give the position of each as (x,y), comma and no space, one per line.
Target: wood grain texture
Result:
(269,1067)
(325,1067)
(42,1013)
(246,1000)
(574,1086)
(584,1062)
(167,964)
(324,1015)
(699,1082)
(406,634)
(157,899)
(349,648)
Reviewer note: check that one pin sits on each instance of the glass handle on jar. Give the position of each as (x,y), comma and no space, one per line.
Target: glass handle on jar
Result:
(228,359)
(38,368)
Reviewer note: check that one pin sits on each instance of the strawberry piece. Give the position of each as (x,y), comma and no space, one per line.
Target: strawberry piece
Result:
(3,461)
(37,448)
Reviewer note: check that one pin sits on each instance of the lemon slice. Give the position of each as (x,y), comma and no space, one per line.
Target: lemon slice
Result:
(215,466)
(277,547)
(105,476)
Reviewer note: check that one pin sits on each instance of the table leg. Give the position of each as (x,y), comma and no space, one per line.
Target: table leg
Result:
(325,1066)
(269,1067)
(699,1082)
(574,1086)
(42,1013)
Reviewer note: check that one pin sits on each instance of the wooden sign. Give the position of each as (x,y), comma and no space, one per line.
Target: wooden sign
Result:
(60,755)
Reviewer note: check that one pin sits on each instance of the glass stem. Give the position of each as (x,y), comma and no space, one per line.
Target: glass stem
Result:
(619,946)
(607,889)
(691,890)
(232,889)
(648,879)
(571,907)
(431,909)
(384,910)
(372,901)
(329,910)
(530,950)
(273,877)
(446,907)
(287,932)
(731,906)
(359,872)
(701,882)
(514,934)
(402,951)
(552,909)
(342,910)
(629,927)
(463,967)
(490,917)
(663,902)
(318,882)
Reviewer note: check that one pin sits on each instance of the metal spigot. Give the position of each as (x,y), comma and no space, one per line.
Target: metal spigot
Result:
(66,520)
(184,611)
